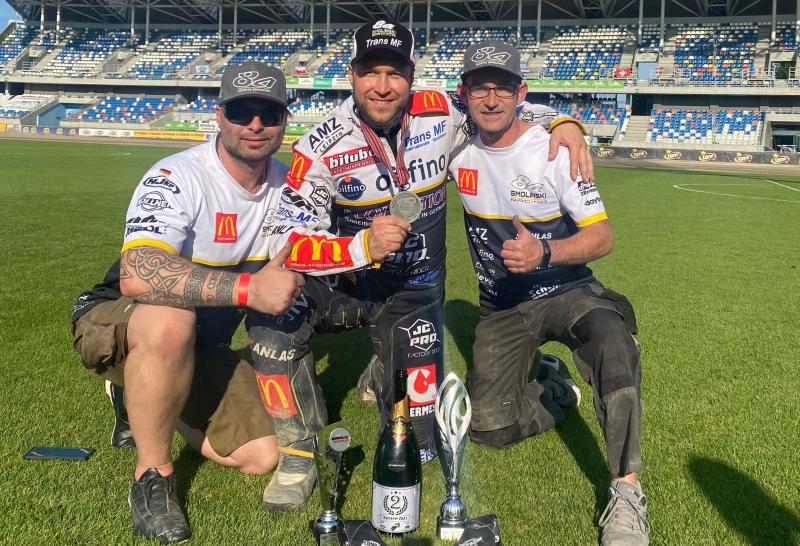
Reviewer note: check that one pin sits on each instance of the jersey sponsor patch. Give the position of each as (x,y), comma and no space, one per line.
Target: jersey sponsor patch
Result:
(350,160)
(467,181)
(161,182)
(276,395)
(225,230)
(311,252)
(429,102)
(422,385)
(153,200)
(326,134)
(298,170)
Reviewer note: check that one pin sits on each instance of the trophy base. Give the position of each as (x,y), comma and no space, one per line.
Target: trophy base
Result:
(450,531)
(329,533)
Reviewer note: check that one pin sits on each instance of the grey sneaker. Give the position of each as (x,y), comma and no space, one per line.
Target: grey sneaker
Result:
(291,484)
(553,374)
(624,521)
(156,510)
(366,393)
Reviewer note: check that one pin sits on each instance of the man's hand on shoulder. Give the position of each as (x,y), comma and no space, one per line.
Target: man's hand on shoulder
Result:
(523,254)
(274,289)
(569,135)
(386,235)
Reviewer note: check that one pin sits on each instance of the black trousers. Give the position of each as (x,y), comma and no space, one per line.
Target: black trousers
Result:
(406,327)
(597,324)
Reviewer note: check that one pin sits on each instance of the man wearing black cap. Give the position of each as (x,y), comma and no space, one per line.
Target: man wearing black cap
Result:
(199,228)
(540,229)
(382,154)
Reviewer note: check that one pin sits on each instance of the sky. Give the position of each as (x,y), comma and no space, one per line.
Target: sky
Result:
(6,13)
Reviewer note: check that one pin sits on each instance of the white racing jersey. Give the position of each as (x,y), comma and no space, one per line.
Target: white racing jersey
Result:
(189,205)
(495,184)
(334,159)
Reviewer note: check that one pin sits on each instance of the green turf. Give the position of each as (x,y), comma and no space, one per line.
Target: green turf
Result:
(714,280)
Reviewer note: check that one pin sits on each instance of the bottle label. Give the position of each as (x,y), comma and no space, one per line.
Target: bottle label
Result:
(395,509)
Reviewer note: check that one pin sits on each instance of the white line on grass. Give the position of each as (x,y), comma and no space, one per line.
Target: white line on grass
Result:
(680,187)
(783,185)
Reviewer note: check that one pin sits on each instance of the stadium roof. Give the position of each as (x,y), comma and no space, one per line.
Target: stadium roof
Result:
(193,12)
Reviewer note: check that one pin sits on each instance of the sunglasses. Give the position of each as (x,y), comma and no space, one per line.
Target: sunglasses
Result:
(241,114)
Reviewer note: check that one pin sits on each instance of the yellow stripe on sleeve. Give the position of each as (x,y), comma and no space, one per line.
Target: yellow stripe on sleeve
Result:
(593,219)
(148,242)
(567,119)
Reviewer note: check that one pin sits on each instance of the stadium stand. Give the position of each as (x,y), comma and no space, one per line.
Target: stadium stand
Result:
(585,53)
(15,107)
(271,47)
(714,52)
(784,37)
(203,105)
(679,125)
(171,53)
(13,45)
(85,52)
(338,55)
(596,113)
(446,60)
(316,106)
(127,110)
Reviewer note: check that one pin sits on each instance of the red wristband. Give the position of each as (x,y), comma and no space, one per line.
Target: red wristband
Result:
(244,282)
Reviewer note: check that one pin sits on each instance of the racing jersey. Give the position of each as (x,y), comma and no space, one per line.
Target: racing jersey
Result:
(189,205)
(335,157)
(495,184)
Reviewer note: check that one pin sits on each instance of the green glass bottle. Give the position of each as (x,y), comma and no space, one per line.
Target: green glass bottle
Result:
(397,470)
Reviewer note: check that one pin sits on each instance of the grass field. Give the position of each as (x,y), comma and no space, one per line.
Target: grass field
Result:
(714,279)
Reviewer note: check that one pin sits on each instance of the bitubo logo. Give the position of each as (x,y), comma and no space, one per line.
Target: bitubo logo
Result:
(421,335)
(421,388)
(252,79)
(486,55)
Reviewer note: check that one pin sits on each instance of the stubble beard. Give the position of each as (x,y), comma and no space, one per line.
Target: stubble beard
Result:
(363,113)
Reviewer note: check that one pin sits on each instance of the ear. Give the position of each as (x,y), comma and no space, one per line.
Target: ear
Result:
(523,92)
(219,114)
(350,74)
(461,89)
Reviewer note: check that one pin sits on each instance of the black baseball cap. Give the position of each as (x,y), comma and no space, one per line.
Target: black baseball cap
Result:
(383,36)
(253,79)
(492,54)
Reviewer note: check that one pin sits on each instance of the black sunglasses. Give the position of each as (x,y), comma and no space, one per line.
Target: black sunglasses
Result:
(238,113)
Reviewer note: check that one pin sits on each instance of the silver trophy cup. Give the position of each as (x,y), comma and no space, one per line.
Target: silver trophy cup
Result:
(328,528)
(453,413)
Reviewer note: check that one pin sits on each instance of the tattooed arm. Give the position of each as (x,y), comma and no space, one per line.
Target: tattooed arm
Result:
(152,275)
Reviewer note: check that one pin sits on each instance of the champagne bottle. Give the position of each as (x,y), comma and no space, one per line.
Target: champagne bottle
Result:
(397,470)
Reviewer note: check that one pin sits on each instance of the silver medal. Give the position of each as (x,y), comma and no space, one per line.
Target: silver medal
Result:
(406,205)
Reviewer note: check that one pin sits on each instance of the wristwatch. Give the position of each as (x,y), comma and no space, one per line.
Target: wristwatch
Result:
(545,254)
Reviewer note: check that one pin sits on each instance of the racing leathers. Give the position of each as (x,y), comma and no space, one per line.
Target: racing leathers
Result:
(401,299)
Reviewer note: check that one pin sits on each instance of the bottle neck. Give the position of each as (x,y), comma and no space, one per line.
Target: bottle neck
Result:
(400,409)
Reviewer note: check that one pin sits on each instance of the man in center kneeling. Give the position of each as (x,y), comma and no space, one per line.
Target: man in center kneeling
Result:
(532,231)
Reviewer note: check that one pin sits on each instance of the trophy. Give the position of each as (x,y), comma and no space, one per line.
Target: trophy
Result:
(328,528)
(453,413)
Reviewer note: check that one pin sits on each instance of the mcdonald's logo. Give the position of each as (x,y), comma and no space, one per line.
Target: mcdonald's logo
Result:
(276,395)
(425,102)
(225,231)
(318,252)
(468,181)
(298,170)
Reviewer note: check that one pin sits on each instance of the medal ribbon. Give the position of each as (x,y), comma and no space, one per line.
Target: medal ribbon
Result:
(400,174)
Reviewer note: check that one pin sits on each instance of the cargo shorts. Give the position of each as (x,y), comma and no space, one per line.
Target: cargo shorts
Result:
(224,401)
